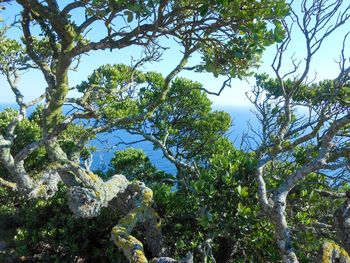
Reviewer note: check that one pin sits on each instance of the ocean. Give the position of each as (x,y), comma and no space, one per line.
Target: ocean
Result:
(106,142)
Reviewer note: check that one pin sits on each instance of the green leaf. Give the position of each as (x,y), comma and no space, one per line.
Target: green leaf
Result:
(89,11)
(244,192)
(130,16)
(203,9)
(239,189)
(279,33)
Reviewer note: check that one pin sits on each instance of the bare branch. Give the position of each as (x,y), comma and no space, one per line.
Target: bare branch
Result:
(8,184)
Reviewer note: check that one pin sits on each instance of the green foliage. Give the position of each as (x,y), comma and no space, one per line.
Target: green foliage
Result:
(187,121)
(40,48)
(244,28)
(310,210)
(185,116)
(13,56)
(316,93)
(238,54)
(29,130)
(26,132)
(223,207)
(46,231)
(114,89)
(135,165)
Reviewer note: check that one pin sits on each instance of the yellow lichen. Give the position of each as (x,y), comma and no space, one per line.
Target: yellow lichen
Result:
(327,252)
(131,247)
(139,256)
(121,234)
(11,185)
(41,190)
(147,197)
(130,219)
(93,177)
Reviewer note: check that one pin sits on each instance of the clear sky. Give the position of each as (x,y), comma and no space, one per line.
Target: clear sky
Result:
(32,83)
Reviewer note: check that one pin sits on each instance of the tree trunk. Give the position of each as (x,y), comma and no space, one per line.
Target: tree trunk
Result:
(23,180)
(282,233)
(342,225)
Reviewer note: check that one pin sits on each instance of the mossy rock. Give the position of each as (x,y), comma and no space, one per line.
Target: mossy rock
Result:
(332,253)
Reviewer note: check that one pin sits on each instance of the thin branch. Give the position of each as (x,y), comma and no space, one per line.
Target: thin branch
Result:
(8,184)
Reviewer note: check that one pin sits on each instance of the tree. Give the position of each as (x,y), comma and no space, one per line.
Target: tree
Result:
(229,35)
(293,147)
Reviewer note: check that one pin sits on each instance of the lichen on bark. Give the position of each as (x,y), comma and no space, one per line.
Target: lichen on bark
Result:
(332,253)
(141,213)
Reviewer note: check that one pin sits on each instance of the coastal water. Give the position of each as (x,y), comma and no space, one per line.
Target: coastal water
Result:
(107,143)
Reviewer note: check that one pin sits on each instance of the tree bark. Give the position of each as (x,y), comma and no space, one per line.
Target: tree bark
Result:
(282,233)
(342,225)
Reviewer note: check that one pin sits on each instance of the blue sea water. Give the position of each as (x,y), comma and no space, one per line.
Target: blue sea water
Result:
(106,143)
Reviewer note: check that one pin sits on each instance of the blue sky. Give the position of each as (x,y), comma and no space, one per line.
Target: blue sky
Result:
(32,83)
